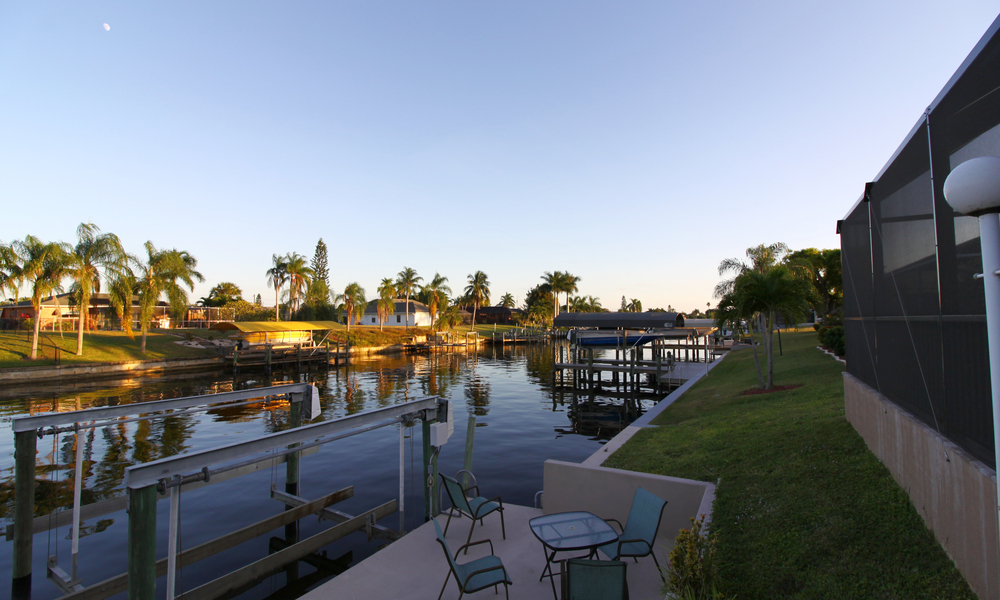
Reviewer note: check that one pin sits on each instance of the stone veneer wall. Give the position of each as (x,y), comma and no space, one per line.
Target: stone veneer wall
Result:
(955,494)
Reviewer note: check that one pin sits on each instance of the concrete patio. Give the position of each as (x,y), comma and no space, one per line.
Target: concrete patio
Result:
(415,567)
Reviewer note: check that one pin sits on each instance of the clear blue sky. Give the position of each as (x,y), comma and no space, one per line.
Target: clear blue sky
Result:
(635,144)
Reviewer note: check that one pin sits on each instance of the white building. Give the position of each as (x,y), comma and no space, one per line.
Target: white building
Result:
(420,316)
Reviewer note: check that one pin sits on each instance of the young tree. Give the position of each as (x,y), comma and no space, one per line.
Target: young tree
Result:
(435,295)
(121,292)
(386,306)
(277,276)
(93,251)
(163,273)
(42,266)
(507,301)
(223,294)
(406,282)
(354,301)
(478,291)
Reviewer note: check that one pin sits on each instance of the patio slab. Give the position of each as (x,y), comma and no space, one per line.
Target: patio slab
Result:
(415,566)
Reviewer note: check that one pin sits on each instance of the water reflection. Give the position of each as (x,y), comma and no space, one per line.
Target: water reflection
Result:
(510,389)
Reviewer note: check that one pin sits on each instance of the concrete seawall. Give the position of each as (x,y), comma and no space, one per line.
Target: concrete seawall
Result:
(99,370)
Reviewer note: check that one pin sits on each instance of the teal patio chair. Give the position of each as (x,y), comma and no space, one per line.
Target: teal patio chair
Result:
(594,580)
(637,537)
(475,508)
(474,575)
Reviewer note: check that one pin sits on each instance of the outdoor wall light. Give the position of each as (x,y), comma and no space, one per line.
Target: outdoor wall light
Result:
(973,188)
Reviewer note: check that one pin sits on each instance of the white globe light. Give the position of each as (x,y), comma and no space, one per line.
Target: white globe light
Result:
(973,187)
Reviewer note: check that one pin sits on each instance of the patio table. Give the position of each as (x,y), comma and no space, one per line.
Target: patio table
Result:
(567,532)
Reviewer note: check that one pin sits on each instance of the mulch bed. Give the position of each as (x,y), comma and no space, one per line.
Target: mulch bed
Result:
(777,388)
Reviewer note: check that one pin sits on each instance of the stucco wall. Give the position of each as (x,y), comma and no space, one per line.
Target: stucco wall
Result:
(955,494)
(608,494)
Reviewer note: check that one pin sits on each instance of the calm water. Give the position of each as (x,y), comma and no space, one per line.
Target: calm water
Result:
(520,422)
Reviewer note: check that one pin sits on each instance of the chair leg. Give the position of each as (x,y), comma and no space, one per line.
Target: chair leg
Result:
(450,512)
(653,554)
(470,535)
(503,527)
(447,577)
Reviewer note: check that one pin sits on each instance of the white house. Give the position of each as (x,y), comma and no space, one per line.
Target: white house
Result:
(420,316)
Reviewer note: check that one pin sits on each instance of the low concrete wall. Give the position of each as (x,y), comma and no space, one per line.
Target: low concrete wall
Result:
(608,494)
(97,370)
(955,494)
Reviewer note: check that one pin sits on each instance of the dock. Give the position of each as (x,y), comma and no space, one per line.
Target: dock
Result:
(268,357)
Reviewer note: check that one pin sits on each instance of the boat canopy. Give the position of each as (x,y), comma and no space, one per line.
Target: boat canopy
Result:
(626,320)
(273,326)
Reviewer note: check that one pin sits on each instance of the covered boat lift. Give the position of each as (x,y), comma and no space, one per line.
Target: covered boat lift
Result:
(267,343)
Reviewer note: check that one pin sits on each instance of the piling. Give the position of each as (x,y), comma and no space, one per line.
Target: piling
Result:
(25,443)
(142,543)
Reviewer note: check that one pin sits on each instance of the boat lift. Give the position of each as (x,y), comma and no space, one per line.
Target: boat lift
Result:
(146,483)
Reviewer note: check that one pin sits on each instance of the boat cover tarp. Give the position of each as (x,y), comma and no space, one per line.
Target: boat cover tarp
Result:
(627,320)
(262,326)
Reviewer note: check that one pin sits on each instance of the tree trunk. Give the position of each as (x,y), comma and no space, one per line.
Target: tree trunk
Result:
(37,327)
(756,360)
(475,307)
(277,306)
(769,349)
(79,330)
(142,344)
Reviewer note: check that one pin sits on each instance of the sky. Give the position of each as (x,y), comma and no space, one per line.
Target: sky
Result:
(635,145)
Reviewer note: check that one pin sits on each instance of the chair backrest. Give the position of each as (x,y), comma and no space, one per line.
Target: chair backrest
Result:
(644,517)
(455,568)
(456,494)
(597,579)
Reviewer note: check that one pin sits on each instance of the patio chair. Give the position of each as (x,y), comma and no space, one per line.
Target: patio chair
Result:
(474,575)
(636,538)
(594,579)
(475,508)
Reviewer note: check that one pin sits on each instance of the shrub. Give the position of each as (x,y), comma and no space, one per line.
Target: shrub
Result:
(832,339)
(691,571)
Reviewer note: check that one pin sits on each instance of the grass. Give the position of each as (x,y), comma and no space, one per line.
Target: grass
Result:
(803,509)
(98,347)
(369,335)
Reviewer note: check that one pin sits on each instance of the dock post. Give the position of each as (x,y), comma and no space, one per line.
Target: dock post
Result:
(659,374)
(292,461)
(470,438)
(590,366)
(25,443)
(425,434)
(142,543)
(268,359)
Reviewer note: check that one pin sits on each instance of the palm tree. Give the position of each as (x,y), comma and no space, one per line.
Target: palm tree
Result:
(387,301)
(354,299)
(761,258)
(277,276)
(478,292)
(762,296)
(553,284)
(568,285)
(507,301)
(8,271)
(449,317)
(121,291)
(299,275)
(42,266)
(435,294)
(92,252)
(160,275)
(406,281)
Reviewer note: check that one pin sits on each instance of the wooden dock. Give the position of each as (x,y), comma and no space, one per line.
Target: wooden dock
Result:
(268,357)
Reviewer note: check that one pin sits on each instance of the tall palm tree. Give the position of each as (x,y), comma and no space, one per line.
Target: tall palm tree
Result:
(354,301)
(299,275)
(478,292)
(386,306)
(93,251)
(277,277)
(554,283)
(507,301)
(42,266)
(406,282)
(163,272)
(435,295)
(568,285)
(8,271)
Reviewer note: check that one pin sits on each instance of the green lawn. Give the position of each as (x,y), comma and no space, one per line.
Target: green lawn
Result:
(803,509)
(104,346)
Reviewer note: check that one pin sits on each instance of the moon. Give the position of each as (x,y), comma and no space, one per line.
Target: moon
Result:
(107,27)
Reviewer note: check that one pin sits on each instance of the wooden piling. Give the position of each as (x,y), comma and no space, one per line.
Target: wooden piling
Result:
(25,443)
(142,543)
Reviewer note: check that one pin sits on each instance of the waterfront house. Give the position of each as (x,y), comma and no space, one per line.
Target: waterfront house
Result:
(420,315)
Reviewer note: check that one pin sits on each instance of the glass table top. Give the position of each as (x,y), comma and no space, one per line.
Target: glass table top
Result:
(572,530)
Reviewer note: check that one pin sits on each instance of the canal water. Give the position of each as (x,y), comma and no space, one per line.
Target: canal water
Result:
(521,421)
